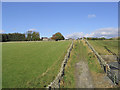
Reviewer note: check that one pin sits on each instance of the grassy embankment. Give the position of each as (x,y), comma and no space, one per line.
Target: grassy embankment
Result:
(99,46)
(31,64)
(79,52)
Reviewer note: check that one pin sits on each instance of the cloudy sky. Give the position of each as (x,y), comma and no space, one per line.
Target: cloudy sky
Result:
(72,19)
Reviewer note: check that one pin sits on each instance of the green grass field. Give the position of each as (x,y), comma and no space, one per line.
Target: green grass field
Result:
(31,64)
(99,46)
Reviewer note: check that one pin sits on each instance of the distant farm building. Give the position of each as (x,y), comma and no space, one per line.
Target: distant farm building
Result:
(45,39)
(70,38)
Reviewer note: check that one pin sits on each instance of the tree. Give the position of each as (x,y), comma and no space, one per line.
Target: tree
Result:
(32,36)
(4,37)
(0,37)
(57,36)
(29,35)
(84,37)
(35,36)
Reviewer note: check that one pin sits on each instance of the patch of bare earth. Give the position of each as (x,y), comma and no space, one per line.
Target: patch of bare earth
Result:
(83,77)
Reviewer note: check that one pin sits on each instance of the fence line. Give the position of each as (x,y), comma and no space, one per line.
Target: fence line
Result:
(118,59)
(110,73)
(56,81)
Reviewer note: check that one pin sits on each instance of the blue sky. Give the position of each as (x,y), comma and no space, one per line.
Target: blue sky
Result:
(69,18)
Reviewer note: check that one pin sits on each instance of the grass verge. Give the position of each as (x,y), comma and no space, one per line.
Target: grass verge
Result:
(99,46)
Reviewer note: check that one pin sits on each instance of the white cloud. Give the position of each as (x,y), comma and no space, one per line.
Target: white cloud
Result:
(1,31)
(75,35)
(104,32)
(91,16)
(32,29)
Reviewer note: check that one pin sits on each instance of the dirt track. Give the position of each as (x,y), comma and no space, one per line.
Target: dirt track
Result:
(83,77)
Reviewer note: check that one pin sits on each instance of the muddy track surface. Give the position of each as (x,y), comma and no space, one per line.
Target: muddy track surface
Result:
(83,77)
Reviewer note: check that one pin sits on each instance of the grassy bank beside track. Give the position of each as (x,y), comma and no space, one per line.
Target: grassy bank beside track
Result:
(99,46)
(69,78)
(92,60)
(31,64)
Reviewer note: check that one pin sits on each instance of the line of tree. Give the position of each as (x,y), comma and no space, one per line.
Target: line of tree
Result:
(91,38)
(32,36)
(13,37)
(102,38)
(29,36)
